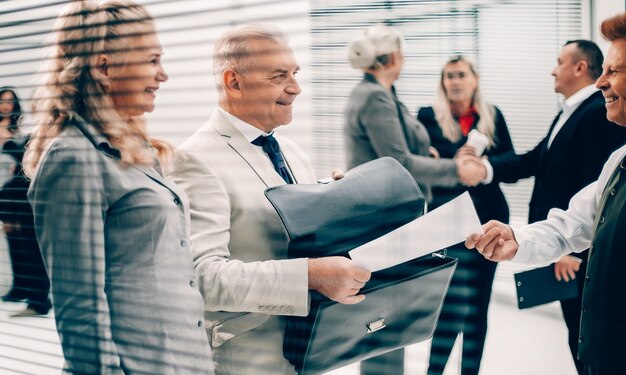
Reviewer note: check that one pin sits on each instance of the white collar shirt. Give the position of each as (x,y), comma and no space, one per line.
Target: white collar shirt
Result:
(568,106)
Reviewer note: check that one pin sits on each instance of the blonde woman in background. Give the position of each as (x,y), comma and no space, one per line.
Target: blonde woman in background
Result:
(458,109)
(112,230)
(377,124)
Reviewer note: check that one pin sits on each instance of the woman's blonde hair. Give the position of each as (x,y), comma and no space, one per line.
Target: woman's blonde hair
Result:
(72,84)
(449,126)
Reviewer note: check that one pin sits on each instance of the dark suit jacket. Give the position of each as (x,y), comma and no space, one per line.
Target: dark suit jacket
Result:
(573,161)
(488,199)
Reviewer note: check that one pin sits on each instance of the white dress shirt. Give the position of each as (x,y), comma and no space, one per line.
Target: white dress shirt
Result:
(568,106)
(251,132)
(568,231)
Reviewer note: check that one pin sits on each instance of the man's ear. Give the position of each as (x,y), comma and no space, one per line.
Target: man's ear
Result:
(232,83)
(581,68)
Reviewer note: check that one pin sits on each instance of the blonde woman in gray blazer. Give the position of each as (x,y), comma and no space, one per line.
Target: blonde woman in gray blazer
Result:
(377,124)
(113,232)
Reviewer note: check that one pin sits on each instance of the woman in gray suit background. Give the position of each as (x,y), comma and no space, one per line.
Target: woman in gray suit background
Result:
(113,232)
(377,124)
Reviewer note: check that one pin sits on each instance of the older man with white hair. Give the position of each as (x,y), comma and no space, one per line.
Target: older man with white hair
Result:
(239,244)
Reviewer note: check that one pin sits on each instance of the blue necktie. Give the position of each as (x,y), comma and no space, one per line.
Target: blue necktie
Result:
(272,149)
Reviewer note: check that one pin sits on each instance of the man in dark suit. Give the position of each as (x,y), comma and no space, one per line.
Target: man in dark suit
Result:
(570,157)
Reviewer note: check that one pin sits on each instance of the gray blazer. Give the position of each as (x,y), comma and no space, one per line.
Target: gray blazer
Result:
(239,246)
(115,244)
(373,129)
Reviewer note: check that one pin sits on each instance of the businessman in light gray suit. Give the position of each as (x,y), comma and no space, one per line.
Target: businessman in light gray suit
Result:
(239,244)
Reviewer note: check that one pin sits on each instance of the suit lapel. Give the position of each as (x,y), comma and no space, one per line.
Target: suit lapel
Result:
(159,179)
(295,167)
(263,169)
(571,122)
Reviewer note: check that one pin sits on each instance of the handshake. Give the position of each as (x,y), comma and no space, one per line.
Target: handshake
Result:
(470,167)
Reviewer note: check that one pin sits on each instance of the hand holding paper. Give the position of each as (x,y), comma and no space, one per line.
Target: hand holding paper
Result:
(445,226)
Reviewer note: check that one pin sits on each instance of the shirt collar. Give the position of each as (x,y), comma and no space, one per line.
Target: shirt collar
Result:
(250,132)
(94,136)
(579,97)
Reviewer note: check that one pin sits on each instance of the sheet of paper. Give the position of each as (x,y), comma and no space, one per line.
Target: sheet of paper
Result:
(445,226)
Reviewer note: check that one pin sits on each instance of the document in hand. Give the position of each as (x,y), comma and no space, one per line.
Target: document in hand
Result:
(539,286)
(445,226)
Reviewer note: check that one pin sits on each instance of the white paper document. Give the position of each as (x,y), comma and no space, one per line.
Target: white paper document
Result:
(444,226)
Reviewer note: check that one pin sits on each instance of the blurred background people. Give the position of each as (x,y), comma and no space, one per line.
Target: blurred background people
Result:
(30,281)
(377,124)
(594,219)
(112,230)
(458,109)
(570,156)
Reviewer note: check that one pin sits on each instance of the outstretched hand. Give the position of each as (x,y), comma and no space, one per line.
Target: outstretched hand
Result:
(497,243)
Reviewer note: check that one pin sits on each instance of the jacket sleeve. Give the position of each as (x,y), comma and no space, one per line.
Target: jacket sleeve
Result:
(379,118)
(227,283)
(66,196)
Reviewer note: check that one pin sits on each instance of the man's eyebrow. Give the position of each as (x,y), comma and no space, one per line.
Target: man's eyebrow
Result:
(285,71)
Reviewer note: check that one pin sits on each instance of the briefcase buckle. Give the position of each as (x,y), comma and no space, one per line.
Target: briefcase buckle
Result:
(376,325)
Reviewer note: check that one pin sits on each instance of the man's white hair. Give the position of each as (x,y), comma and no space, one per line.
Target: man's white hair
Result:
(232,49)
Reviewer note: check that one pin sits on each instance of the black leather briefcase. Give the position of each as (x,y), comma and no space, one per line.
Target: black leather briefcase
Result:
(402,303)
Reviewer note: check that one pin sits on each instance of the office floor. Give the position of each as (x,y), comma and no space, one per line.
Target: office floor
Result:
(528,342)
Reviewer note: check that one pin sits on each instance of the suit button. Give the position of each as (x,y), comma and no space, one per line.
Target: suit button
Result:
(602,219)
(587,279)
(199,323)
(183,243)
(580,339)
(613,191)
(584,309)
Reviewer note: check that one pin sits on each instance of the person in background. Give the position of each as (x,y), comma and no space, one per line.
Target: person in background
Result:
(568,158)
(458,109)
(239,243)
(113,232)
(30,281)
(29,274)
(377,124)
(595,219)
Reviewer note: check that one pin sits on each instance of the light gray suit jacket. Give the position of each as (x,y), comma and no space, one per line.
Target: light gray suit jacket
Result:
(376,124)
(239,246)
(115,245)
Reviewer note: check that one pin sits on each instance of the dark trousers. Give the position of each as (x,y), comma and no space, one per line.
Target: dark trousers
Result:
(30,280)
(571,314)
(464,310)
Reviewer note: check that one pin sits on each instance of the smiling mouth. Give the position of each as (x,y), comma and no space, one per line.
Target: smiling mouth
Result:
(610,100)
(151,91)
(283,103)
